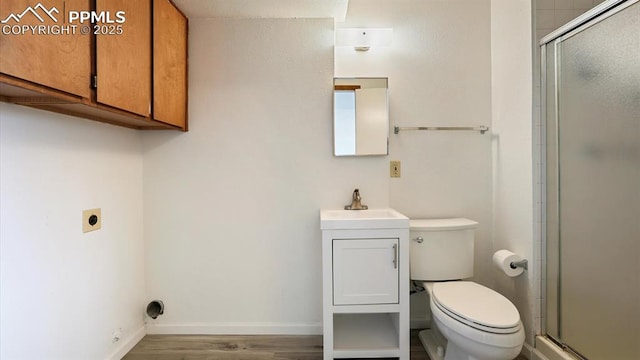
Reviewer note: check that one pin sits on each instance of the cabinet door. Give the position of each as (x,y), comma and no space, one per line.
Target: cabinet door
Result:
(123,61)
(169,64)
(365,271)
(59,60)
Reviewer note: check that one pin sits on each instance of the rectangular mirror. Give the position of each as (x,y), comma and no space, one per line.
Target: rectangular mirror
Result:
(360,116)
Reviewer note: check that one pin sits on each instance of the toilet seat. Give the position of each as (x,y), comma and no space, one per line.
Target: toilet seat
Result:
(476,306)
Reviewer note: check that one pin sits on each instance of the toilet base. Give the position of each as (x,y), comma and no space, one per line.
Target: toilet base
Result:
(434,344)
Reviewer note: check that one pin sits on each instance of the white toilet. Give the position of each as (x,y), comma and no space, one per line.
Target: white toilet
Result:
(469,321)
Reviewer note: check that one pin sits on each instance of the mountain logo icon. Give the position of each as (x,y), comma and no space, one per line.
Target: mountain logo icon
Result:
(35,11)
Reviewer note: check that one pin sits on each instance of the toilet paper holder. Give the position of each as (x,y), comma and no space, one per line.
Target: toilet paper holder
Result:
(519,264)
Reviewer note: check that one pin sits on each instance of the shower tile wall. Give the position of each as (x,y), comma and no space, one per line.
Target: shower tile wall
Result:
(549,16)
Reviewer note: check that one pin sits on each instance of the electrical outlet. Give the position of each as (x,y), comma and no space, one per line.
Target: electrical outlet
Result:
(394,168)
(91,220)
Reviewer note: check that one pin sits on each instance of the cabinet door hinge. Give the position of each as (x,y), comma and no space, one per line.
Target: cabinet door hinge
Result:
(94,81)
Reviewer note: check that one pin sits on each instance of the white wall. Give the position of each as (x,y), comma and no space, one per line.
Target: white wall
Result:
(512,104)
(218,274)
(232,207)
(439,70)
(62,292)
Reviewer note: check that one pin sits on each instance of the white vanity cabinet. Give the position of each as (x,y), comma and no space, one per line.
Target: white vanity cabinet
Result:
(365,260)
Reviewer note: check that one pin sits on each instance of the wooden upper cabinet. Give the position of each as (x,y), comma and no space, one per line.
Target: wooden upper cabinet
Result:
(123,62)
(169,64)
(60,61)
(136,49)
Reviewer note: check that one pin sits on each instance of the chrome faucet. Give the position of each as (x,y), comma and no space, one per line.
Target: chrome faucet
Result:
(356,202)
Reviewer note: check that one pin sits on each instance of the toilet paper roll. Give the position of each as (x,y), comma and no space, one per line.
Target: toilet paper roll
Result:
(502,259)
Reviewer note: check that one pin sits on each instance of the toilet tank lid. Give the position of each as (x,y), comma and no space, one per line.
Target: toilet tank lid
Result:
(442,224)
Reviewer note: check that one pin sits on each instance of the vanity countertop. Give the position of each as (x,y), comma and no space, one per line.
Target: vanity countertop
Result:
(382,218)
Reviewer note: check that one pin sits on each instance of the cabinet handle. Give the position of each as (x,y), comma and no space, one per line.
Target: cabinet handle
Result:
(395,256)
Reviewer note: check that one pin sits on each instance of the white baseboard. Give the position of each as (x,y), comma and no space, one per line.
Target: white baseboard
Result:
(234,328)
(128,343)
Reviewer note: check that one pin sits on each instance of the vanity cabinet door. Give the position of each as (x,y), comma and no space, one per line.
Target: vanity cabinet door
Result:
(365,271)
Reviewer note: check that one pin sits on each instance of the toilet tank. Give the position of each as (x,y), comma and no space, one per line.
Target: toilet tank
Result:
(441,249)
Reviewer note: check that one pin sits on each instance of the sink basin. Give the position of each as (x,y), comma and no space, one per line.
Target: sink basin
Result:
(384,218)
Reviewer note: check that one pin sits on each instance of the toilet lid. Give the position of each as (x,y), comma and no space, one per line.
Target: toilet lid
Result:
(477,306)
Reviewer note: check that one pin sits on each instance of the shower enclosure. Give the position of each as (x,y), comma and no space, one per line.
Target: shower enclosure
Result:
(591,103)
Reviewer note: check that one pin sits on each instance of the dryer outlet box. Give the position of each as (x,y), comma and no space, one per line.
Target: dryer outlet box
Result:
(91,220)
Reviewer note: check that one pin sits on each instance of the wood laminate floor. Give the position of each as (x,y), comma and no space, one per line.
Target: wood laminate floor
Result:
(231,347)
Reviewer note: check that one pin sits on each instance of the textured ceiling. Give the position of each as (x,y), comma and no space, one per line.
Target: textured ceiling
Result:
(264,8)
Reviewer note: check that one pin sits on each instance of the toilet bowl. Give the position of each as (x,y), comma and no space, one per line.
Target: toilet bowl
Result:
(469,321)
(477,322)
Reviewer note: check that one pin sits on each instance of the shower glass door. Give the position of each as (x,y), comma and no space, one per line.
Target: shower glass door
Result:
(592,95)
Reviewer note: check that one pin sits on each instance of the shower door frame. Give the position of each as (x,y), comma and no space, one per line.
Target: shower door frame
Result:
(580,24)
